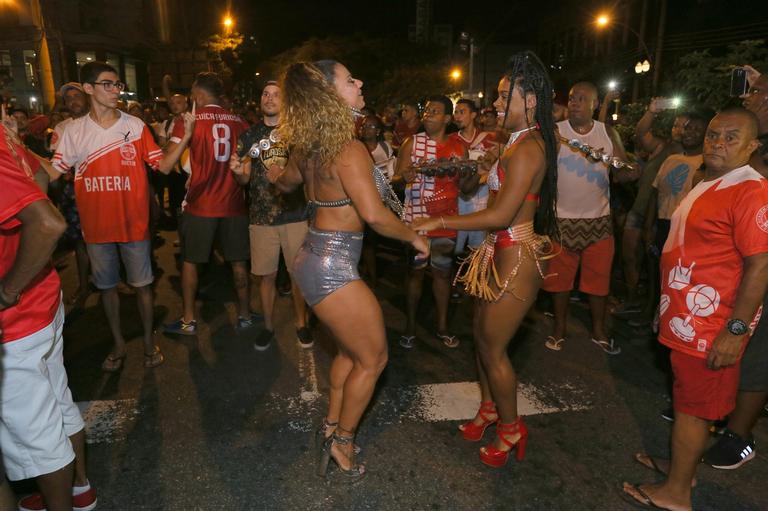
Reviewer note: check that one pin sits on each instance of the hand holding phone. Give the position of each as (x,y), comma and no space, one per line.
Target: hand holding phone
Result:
(739,84)
(659,104)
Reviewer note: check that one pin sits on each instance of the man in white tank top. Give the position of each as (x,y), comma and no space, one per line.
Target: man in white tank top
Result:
(584,217)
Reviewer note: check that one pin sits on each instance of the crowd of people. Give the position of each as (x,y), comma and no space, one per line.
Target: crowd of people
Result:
(492,205)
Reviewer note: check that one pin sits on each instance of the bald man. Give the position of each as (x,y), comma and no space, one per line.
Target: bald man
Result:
(736,445)
(584,218)
(714,271)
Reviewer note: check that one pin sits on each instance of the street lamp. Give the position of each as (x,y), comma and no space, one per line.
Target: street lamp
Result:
(455,74)
(602,20)
(642,67)
(228,22)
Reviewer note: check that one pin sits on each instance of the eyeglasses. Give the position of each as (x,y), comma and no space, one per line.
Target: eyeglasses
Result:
(108,86)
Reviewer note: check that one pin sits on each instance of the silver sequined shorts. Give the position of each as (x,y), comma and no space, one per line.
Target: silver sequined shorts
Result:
(326,261)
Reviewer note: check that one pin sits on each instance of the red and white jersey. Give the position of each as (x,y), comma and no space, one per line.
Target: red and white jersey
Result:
(480,143)
(58,131)
(40,299)
(717,225)
(431,196)
(213,190)
(111,185)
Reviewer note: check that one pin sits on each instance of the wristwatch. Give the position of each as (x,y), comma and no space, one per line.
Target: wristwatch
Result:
(737,327)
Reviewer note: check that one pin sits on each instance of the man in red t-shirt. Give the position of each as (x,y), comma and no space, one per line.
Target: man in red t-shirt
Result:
(432,196)
(108,149)
(41,430)
(214,207)
(714,275)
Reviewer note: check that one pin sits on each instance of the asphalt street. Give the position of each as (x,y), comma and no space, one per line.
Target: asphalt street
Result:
(221,426)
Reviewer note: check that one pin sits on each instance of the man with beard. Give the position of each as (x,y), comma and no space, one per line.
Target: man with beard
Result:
(277,221)
(76,103)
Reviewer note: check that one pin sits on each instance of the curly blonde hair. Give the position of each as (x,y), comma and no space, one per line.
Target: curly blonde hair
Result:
(314,119)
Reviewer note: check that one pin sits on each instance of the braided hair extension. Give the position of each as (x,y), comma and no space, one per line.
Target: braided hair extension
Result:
(525,70)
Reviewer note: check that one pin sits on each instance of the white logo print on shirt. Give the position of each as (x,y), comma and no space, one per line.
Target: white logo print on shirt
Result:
(702,301)
(680,276)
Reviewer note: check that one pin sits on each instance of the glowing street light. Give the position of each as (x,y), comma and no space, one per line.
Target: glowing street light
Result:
(228,22)
(612,85)
(602,20)
(642,67)
(455,74)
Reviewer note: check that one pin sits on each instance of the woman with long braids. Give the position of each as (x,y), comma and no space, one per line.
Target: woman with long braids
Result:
(319,104)
(505,273)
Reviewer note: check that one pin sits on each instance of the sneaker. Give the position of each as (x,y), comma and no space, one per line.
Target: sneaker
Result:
(304,335)
(264,340)
(85,501)
(181,327)
(730,452)
(249,322)
(668,414)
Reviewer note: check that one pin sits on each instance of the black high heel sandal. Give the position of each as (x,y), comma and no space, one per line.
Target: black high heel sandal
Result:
(355,473)
(321,435)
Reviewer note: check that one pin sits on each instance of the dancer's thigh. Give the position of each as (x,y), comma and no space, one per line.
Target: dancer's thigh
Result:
(354,317)
(498,321)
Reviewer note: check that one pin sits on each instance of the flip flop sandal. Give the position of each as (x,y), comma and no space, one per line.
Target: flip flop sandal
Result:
(407,341)
(113,364)
(653,465)
(554,344)
(648,503)
(153,359)
(450,341)
(608,346)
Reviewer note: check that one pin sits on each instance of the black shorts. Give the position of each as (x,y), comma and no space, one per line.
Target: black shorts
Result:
(198,234)
(754,363)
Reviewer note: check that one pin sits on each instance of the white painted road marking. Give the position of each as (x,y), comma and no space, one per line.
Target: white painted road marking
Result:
(109,420)
(460,400)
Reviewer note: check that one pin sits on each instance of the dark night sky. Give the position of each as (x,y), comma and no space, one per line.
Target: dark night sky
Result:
(279,25)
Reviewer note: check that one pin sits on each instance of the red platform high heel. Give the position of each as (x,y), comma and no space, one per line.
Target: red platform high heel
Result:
(496,458)
(473,432)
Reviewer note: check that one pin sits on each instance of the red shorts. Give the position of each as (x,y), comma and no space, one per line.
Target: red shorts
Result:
(700,391)
(596,262)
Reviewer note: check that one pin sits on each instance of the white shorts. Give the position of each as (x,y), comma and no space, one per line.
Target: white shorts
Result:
(37,415)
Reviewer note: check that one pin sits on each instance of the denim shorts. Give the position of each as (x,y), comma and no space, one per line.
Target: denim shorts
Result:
(105,263)
(440,256)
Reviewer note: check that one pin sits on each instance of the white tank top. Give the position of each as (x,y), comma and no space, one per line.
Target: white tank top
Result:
(583,185)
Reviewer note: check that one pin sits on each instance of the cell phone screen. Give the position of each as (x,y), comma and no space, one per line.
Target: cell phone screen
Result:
(738,82)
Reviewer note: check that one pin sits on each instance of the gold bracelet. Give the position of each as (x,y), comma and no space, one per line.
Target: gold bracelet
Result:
(442,221)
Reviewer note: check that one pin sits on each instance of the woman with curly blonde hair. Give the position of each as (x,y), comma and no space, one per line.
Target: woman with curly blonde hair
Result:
(319,104)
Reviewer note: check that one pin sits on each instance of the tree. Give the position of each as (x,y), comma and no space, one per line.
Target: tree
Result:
(706,77)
